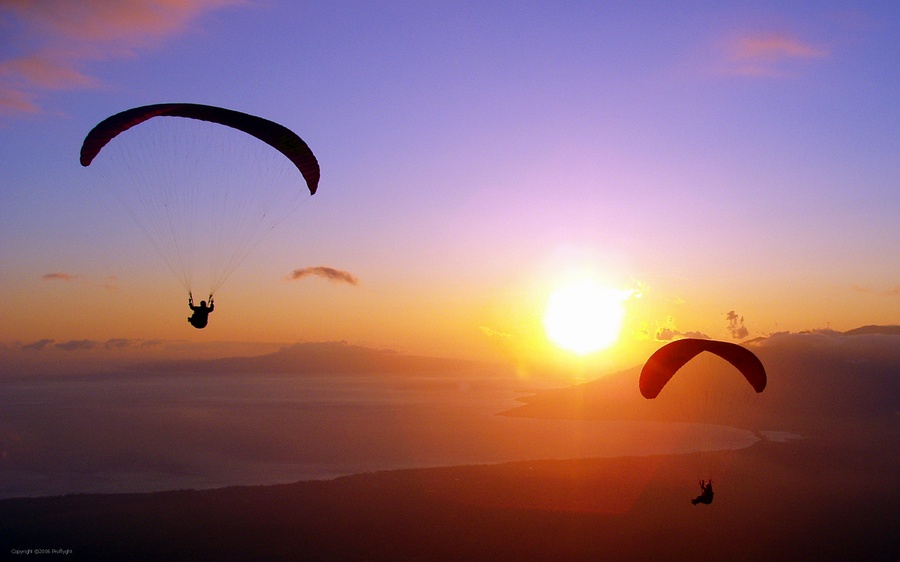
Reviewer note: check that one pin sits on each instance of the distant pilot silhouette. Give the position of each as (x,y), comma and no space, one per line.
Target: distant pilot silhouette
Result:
(201,313)
(706,495)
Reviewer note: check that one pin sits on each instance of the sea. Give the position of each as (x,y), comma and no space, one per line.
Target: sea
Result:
(146,432)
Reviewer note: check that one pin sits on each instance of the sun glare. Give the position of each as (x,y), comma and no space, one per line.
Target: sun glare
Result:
(583,317)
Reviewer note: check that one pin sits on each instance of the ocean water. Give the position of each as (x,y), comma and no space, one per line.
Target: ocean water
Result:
(150,432)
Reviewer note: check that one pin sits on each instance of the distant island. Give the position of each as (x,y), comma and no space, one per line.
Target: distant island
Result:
(316,358)
(873,329)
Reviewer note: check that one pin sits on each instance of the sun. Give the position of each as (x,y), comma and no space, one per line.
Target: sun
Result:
(583,317)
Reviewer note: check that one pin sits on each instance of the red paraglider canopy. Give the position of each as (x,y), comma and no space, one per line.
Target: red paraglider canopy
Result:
(663,364)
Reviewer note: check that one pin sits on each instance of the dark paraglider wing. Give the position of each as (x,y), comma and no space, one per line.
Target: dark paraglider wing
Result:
(666,361)
(278,136)
(204,183)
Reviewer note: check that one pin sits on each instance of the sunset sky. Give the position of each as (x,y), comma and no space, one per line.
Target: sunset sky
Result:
(730,168)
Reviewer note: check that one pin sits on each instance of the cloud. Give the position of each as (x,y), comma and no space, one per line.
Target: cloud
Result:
(665,334)
(53,40)
(736,325)
(668,334)
(892,292)
(81,345)
(76,345)
(767,54)
(492,333)
(38,345)
(128,343)
(110,283)
(59,277)
(773,47)
(119,343)
(330,273)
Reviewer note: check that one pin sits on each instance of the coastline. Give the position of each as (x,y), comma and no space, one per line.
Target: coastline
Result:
(530,510)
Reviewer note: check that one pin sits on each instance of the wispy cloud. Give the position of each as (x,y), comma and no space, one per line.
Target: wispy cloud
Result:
(767,54)
(773,47)
(59,277)
(53,40)
(83,345)
(492,333)
(119,343)
(108,283)
(329,273)
(892,292)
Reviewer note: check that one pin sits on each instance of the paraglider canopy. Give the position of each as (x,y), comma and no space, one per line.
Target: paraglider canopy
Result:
(205,184)
(666,361)
(713,400)
(278,136)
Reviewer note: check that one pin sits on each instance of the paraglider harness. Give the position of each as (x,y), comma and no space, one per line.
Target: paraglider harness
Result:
(706,495)
(200,317)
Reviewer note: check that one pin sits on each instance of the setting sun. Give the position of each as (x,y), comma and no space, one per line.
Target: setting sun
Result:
(584,317)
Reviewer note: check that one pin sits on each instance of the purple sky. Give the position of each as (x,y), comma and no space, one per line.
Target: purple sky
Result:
(709,157)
